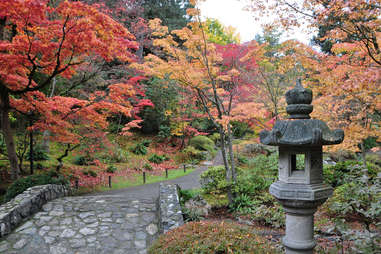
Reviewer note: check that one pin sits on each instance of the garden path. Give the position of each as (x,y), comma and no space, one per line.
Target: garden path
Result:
(122,221)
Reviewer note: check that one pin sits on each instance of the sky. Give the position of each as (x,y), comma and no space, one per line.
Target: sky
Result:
(232,13)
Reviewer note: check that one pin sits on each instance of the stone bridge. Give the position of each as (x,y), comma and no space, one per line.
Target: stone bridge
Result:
(87,224)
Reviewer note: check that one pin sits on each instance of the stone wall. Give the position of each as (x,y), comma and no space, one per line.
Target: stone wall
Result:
(170,215)
(27,203)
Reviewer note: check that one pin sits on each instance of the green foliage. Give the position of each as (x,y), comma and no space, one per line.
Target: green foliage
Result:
(203,124)
(39,154)
(211,237)
(172,13)
(140,148)
(215,137)
(147,166)
(186,195)
(250,183)
(90,172)
(154,158)
(82,160)
(21,184)
(240,129)
(202,143)
(336,174)
(358,196)
(164,131)
(219,34)
(116,155)
(194,155)
(371,142)
(242,160)
(250,191)
(213,180)
(111,169)
(191,215)
(266,165)
(270,215)
(164,95)
(374,159)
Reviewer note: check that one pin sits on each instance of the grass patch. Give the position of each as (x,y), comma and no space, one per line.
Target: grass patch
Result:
(138,179)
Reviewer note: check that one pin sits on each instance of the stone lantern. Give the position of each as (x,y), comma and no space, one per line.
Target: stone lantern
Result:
(300,187)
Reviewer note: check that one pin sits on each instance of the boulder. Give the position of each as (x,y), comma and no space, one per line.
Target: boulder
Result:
(255,148)
(198,205)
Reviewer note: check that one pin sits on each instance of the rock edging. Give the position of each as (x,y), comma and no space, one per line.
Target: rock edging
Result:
(170,214)
(26,204)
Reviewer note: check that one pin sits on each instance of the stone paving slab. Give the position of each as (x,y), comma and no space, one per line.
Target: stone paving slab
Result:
(87,225)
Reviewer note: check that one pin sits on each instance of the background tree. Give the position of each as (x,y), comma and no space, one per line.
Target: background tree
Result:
(200,68)
(276,70)
(219,34)
(172,13)
(38,39)
(347,79)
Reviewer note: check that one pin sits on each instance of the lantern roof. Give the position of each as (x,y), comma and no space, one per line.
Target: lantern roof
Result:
(299,129)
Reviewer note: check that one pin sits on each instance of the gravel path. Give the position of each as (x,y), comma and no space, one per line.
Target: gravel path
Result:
(113,222)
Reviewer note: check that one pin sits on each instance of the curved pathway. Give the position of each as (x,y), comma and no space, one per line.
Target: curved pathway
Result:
(120,221)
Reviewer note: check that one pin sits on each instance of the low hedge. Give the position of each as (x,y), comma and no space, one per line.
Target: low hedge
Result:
(211,238)
(21,184)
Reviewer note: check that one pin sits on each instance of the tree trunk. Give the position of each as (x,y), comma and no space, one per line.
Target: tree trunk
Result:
(231,155)
(31,152)
(139,52)
(8,135)
(46,134)
(66,153)
(363,154)
(228,174)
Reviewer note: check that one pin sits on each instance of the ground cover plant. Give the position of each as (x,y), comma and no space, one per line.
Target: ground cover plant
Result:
(212,237)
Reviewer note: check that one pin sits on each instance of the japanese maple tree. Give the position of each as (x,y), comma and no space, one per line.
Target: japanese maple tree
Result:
(214,82)
(37,39)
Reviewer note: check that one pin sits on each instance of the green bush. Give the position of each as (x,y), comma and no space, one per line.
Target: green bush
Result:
(213,180)
(164,131)
(21,184)
(82,160)
(139,149)
(111,169)
(117,155)
(371,142)
(336,174)
(192,154)
(374,159)
(215,137)
(147,166)
(358,196)
(250,183)
(211,237)
(154,158)
(39,154)
(264,165)
(242,160)
(240,129)
(202,143)
(186,195)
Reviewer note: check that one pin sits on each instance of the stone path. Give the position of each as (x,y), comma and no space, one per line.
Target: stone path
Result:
(93,225)
(121,221)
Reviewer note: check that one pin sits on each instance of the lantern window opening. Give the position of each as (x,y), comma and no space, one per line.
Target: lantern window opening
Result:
(298,162)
